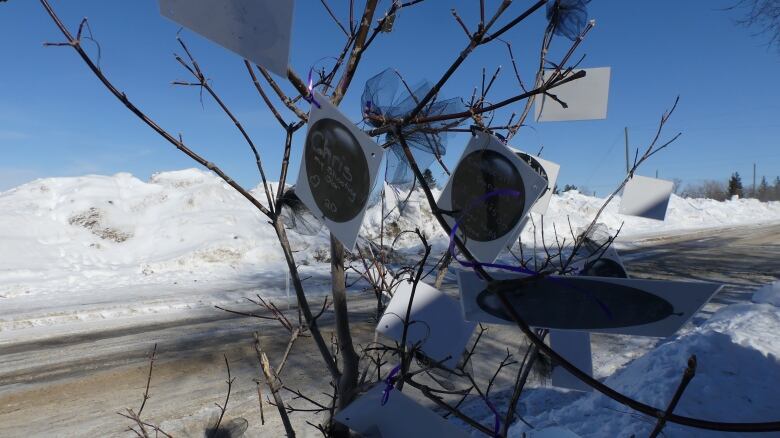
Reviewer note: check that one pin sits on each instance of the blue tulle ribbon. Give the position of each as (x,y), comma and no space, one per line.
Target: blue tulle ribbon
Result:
(385,96)
(568,16)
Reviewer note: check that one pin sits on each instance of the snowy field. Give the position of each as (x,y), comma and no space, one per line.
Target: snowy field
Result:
(98,252)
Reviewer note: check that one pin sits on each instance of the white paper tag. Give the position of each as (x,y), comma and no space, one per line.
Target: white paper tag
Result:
(585,97)
(258,30)
(646,197)
(400,417)
(435,321)
(574,347)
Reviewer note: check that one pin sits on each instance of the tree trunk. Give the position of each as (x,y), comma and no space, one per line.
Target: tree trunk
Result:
(349,359)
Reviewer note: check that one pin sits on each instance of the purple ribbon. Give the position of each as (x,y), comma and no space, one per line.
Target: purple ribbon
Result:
(310,97)
(496,418)
(389,384)
(518,269)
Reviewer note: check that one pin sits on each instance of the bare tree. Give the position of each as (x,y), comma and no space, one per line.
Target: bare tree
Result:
(353,367)
(762,15)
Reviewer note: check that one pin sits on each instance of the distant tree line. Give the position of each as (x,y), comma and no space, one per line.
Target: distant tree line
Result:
(720,190)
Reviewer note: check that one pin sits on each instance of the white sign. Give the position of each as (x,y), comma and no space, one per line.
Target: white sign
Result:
(488,223)
(338,169)
(435,321)
(574,347)
(646,197)
(400,417)
(258,30)
(656,308)
(549,171)
(586,98)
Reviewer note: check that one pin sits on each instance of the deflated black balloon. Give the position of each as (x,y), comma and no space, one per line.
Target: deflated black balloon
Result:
(478,174)
(534,163)
(575,303)
(604,267)
(337,170)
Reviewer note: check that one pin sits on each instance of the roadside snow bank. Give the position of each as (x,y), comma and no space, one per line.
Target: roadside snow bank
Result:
(738,353)
(94,231)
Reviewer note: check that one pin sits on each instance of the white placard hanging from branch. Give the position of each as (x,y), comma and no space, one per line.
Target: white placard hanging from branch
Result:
(656,308)
(258,30)
(339,167)
(398,417)
(435,322)
(646,197)
(549,171)
(489,193)
(585,98)
(574,347)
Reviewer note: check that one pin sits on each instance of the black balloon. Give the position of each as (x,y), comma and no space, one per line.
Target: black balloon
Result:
(534,163)
(337,170)
(478,174)
(572,303)
(604,267)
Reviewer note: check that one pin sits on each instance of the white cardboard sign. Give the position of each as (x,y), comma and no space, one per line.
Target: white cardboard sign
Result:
(400,417)
(487,165)
(646,197)
(574,347)
(585,97)
(258,30)
(435,320)
(551,170)
(655,308)
(339,166)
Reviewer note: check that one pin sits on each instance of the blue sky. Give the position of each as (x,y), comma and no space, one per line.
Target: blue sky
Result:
(57,120)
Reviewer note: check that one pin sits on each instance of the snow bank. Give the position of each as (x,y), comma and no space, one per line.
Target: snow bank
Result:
(682,215)
(738,353)
(769,294)
(94,230)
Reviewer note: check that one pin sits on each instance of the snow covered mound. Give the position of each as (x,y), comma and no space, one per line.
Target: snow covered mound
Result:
(682,214)
(79,230)
(738,353)
(92,230)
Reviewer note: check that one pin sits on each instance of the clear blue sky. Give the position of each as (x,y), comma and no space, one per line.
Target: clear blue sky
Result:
(57,120)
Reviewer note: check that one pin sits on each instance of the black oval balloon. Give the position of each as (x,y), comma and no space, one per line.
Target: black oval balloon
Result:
(534,163)
(575,303)
(478,174)
(337,170)
(604,267)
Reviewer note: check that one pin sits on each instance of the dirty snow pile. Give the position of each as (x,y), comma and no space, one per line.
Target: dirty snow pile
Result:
(738,353)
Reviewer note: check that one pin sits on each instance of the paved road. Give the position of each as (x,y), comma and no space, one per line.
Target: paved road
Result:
(73,385)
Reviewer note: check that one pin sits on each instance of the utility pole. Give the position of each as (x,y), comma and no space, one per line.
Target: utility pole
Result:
(754,180)
(626,132)
(656,173)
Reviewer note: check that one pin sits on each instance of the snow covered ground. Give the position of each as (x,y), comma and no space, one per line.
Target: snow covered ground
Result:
(109,251)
